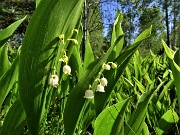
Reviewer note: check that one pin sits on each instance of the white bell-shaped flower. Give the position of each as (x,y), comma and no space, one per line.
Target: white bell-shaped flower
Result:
(103,81)
(106,66)
(67,69)
(100,88)
(89,94)
(54,81)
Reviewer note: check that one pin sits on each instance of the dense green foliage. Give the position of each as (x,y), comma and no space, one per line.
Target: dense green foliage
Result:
(47,88)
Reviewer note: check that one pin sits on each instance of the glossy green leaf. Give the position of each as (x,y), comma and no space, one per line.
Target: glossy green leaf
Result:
(8,80)
(6,33)
(146,33)
(38,55)
(136,120)
(14,121)
(37,2)
(168,51)
(111,120)
(145,130)
(166,120)
(4,61)
(89,56)
(177,57)
(116,32)
(140,85)
(174,64)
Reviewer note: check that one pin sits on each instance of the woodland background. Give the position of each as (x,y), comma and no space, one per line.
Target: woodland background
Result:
(99,17)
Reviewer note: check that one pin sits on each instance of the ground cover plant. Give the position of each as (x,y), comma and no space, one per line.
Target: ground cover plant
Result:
(48,88)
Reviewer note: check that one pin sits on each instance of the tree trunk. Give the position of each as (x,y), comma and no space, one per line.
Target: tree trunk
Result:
(84,30)
(167,23)
(174,21)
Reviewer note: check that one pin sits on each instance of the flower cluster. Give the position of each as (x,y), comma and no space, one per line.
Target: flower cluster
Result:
(100,87)
(54,79)
(102,81)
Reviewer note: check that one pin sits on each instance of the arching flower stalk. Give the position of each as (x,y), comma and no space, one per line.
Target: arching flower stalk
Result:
(74,41)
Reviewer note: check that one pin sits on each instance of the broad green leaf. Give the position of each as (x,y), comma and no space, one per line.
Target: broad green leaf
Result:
(6,33)
(137,118)
(168,86)
(166,120)
(137,65)
(37,2)
(177,57)
(176,75)
(75,62)
(4,61)
(111,120)
(174,64)
(145,130)
(140,85)
(89,56)
(116,32)
(14,121)
(8,80)
(168,51)
(38,55)
(143,35)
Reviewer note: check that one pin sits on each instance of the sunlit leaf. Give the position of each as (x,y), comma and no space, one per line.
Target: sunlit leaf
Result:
(38,55)
(4,61)
(111,120)
(14,121)
(6,33)
(8,80)
(166,120)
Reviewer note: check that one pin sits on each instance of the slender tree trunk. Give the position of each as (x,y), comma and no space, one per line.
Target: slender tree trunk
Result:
(174,21)
(167,23)
(84,30)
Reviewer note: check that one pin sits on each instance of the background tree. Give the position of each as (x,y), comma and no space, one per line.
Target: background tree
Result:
(152,16)
(95,26)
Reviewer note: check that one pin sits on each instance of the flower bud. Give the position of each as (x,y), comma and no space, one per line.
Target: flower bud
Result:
(106,66)
(67,69)
(54,81)
(103,81)
(114,66)
(61,37)
(89,94)
(100,88)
